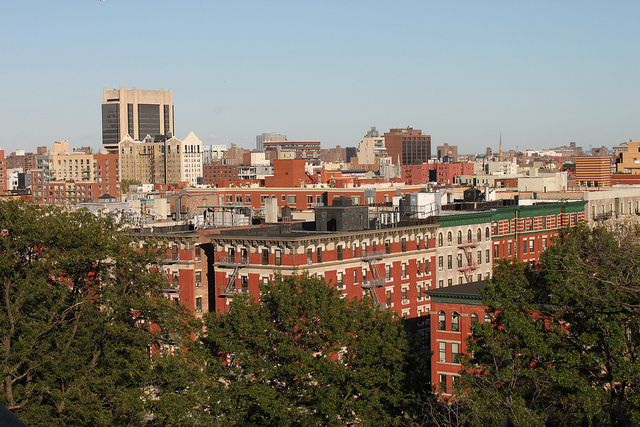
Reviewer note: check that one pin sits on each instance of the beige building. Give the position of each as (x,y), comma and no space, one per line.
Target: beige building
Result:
(64,165)
(166,162)
(136,113)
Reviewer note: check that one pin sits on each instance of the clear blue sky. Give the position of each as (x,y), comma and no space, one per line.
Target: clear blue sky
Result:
(543,73)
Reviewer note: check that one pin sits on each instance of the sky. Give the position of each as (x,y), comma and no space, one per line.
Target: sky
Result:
(541,74)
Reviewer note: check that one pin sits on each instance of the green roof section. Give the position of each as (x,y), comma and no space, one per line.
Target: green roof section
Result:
(506,213)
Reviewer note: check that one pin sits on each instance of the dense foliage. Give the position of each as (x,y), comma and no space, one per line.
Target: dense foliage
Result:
(564,344)
(83,322)
(305,356)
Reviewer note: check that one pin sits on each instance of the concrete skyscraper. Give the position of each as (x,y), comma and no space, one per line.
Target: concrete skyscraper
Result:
(136,113)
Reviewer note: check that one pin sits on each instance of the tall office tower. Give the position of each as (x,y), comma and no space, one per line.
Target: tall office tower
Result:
(408,146)
(267,137)
(136,113)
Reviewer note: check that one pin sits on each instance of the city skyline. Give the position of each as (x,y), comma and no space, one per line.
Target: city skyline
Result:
(542,74)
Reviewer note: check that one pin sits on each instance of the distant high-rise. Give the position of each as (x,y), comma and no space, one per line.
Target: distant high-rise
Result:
(408,146)
(136,113)
(268,137)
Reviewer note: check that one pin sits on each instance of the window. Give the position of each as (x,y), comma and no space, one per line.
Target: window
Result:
(442,352)
(387,272)
(419,292)
(487,318)
(309,199)
(278,257)
(442,386)
(247,198)
(339,252)
(474,318)
(239,198)
(244,283)
(449,282)
(404,245)
(459,260)
(339,280)
(404,270)
(309,255)
(418,267)
(496,251)
(198,305)
(442,321)
(198,278)
(487,256)
(449,239)
(319,255)
(265,257)
(531,246)
(418,243)
(469,234)
(524,246)
(459,237)
(449,262)
(487,233)
(355,200)
(544,243)
(228,198)
(283,198)
(388,298)
(440,283)
(440,239)
(454,321)
(355,276)
(479,235)
(197,253)
(291,200)
(387,247)
(544,222)
(509,248)
(176,280)
(440,263)
(531,224)
(404,293)
(455,350)
(353,250)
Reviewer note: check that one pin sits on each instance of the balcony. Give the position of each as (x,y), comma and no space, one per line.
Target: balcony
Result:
(373,283)
(232,262)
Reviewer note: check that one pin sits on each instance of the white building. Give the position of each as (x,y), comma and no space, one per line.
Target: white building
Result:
(191,159)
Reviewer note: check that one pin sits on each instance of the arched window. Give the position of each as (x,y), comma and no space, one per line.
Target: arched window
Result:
(442,321)
(440,239)
(454,322)
(479,235)
(487,318)
(469,235)
(474,318)
(487,233)
(449,238)
(459,237)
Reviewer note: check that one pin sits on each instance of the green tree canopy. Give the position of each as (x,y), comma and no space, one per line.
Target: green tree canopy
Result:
(82,318)
(303,355)
(563,345)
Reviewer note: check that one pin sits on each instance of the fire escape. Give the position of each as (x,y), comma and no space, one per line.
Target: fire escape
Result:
(234,262)
(471,266)
(372,258)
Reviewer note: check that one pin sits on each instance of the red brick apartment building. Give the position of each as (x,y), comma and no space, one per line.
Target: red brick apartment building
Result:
(3,173)
(517,232)
(442,173)
(395,265)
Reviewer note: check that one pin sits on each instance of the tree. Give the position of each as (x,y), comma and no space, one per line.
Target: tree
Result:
(83,322)
(303,355)
(564,342)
